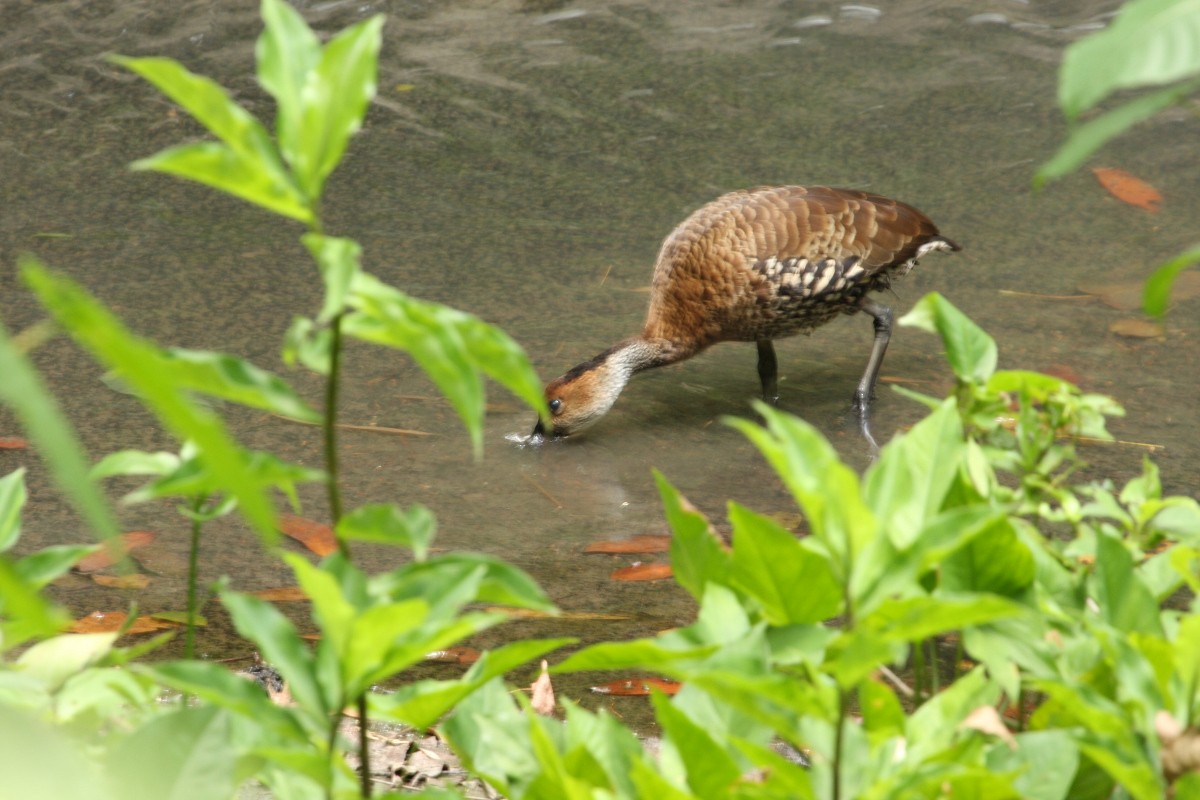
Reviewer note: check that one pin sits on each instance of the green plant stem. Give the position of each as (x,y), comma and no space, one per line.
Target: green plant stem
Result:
(332,748)
(189,637)
(364,752)
(329,428)
(935,677)
(839,742)
(919,686)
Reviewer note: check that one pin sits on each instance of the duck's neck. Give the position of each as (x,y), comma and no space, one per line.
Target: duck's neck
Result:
(613,368)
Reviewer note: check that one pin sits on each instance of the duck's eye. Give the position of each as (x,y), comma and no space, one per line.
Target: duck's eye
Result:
(555,406)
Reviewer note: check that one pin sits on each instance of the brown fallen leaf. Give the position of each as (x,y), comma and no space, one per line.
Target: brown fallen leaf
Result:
(135,580)
(642,572)
(1137,329)
(107,556)
(111,621)
(13,443)
(637,687)
(282,594)
(1180,746)
(533,613)
(454,655)
(643,543)
(1128,189)
(542,692)
(316,536)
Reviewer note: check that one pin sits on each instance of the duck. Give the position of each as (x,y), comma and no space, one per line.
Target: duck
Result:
(756,265)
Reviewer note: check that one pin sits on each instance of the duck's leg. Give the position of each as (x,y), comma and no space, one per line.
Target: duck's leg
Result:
(866,387)
(768,371)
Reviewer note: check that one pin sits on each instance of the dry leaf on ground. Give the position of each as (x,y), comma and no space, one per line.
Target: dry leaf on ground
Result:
(637,687)
(106,557)
(13,443)
(316,536)
(111,621)
(1128,189)
(542,692)
(642,572)
(643,543)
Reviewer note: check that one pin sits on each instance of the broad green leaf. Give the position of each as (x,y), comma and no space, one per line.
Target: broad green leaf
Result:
(1045,763)
(334,99)
(1126,764)
(44,761)
(135,462)
(827,490)
(186,754)
(24,613)
(237,380)
(934,725)
(413,527)
(216,684)
(615,748)
(1093,134)
(277,640)
(688,748)
(12,500)
(39,413)
(697,556)
(883,716)
(1157,292)
(499,582)
(1125,602)
(908,483)
(994,561)
(332,609)
(54,660)
(794,583)
(216,165)
(452,347)
(339,262)
(286,50)
(246,166)
(423,703)
(308,344)
(662,653)
(1150,42)
(971,352)
(145,369)
(42,566)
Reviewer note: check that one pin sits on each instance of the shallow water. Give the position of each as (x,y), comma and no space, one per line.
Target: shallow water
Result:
(523,162)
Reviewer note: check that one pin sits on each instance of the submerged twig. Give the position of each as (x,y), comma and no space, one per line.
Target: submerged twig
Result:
(347,426)
(542,491)
(1038,296)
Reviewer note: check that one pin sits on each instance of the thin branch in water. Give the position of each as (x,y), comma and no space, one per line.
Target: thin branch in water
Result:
(894,679)
(1037,296)
(348,426)
(542,491)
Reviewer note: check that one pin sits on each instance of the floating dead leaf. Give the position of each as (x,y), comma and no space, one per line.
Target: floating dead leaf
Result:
(1121,295)
(1128,189)
(134,580)
(1134,328)
(637,687)
(542,692)
(454,655)
(642,572)
(180,618)
(316,536)
(111,621)
(107,556)
(986,719)
(282,594)
(1064,372)
(643,543)
(13,443)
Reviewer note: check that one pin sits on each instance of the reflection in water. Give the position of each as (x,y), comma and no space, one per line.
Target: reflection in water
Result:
(523,161)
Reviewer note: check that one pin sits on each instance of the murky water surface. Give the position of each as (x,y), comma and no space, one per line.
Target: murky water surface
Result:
(523,161)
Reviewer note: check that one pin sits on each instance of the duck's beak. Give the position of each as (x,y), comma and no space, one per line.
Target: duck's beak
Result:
(539,433)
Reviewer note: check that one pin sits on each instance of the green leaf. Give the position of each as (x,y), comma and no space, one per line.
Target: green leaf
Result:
(498,582)
(413,527)
(145,369)
(43,761)
(1125,602)
(1157,292)
(237,380)
(883,716)
(709,769)
(995,561)
(339,262)
(907,485)
(213,164)
(54,436)
(1045,763)
(277,640)
(186,754)
(452,347)
(697,556)
(661,653)
(1093,134)
(55,660)
(214,683)
(794,583)
(934,725)
(135,462)
(287,50)
(24,613)
(826,489)
(41,567)
(334,99)
(246,166)
(971,352)
(12,500)
(1150,42)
